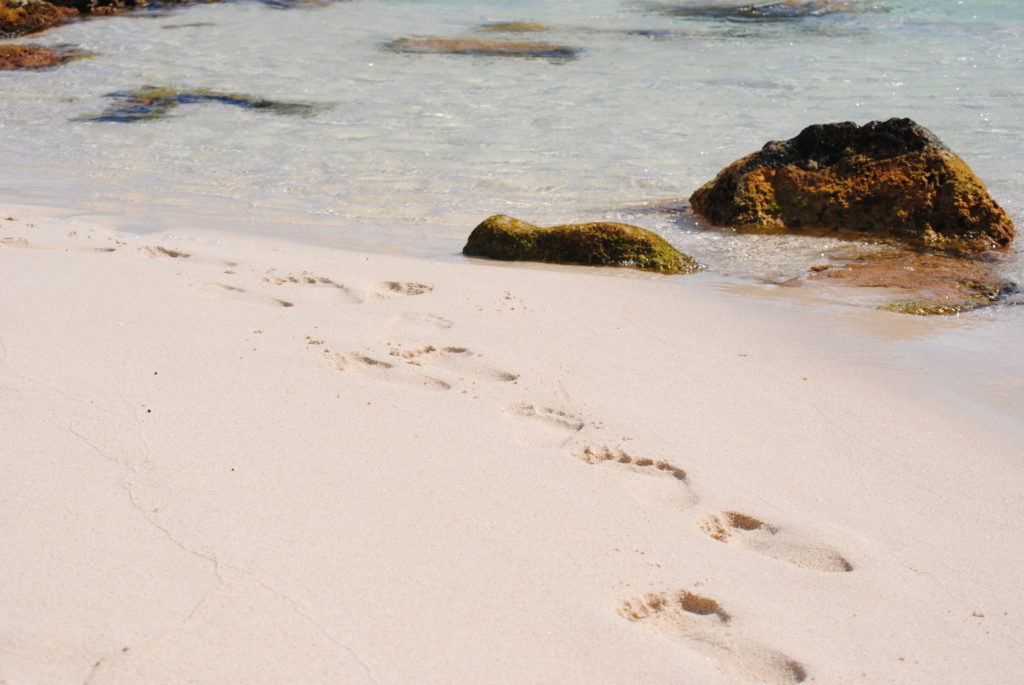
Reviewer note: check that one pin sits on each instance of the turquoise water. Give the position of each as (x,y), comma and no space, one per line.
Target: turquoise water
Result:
(411,150)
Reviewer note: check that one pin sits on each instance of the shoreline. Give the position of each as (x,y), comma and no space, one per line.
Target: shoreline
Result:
(236,458)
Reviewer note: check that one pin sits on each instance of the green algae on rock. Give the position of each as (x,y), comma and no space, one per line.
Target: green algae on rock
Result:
(591,244)
(19,17)
(37,57)
(153,102)
(887,179)
(485,48)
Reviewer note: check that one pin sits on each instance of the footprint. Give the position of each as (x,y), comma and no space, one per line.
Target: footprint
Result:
(551,427)
(14,241)
(746,531)
(670,487)
(159,251)
(243,295)
(703,626)
(375,368)
(344,292)
(423,321)
(458,359)
(386,290)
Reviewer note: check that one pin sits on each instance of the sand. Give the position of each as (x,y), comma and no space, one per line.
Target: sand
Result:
(232,459)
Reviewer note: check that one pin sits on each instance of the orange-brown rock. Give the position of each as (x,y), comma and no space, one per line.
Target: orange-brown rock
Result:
(927,283)
(34,56)
(473,46)
(18,17)
(888,179)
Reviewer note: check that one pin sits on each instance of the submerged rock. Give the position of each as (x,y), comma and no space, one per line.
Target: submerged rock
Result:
(930,283)
(152,102)
(887,179)
(592,244)
(473,46)
(36,57)
(760,11)
(514,27)
(19,17)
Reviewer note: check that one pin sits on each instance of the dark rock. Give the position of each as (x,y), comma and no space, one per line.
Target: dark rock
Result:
(152,102)
(36,57)
(760,11)
(473,46)
(19,17)
(887,179)
(101,7)
(593,244)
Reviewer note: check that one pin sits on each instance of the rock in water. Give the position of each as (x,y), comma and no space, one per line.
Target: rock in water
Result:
(18,17)
(592,244)
(892,179)
(36,57)
(484,48)
(760,11)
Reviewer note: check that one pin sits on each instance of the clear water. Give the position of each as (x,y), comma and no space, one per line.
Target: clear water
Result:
(414,150)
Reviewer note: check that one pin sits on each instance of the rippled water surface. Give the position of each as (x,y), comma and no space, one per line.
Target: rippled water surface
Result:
(410,151)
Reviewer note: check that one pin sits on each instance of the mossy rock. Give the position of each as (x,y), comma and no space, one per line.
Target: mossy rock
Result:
(153,102)
(37,57)
(592,244)
(19,17)
(892,179)
(484,48)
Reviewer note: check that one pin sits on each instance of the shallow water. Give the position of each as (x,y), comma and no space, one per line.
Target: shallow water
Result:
(410,151)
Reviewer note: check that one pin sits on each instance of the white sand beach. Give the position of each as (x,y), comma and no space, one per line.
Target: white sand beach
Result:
(227,459)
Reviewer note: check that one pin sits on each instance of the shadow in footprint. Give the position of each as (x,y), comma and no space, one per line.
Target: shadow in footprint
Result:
(160,251)
(732,527)
(702,625)
(386,290)
(243,295)
(322,283)
(667,487)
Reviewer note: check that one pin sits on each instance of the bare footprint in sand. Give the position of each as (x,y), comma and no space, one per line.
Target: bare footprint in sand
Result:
(361,364)
(242,295)
(159,251)
(422,322)
(549,427)
(333,289)
(745,531)
(459,360)
(667,484)
(702,625)
(386,290)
